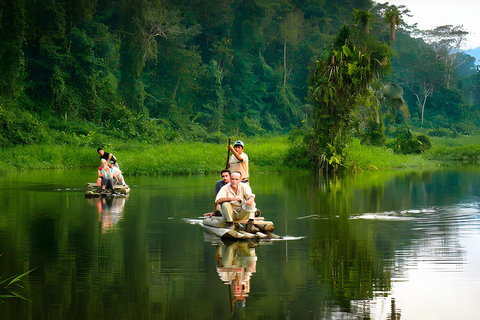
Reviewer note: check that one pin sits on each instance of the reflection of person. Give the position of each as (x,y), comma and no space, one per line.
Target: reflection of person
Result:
(237,201)
(238,160)
(107,156)
(110,210)
(236,263)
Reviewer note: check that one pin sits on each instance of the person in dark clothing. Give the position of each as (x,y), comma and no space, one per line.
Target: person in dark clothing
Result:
(225,179)
(220,183)
(108,156)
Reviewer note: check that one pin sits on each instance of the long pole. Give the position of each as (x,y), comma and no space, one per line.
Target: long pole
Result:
(228,152)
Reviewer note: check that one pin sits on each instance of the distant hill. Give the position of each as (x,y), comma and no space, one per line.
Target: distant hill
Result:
(474,53)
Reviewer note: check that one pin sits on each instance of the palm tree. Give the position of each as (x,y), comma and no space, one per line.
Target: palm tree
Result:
(393,16)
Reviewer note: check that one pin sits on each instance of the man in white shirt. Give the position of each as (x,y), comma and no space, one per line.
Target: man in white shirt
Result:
(237,201)
(238,160)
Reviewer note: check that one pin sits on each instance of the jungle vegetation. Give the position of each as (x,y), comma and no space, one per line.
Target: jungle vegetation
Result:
(85,73)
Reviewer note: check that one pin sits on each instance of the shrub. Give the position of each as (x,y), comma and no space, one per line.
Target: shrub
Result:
(407,143)
(20,128)
(298,149)
(375,134)
(425,142)
(440,132)
(217,137)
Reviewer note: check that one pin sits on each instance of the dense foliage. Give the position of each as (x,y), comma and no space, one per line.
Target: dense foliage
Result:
(161,70)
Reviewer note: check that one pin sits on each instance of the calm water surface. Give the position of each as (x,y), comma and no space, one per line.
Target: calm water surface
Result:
(379,245)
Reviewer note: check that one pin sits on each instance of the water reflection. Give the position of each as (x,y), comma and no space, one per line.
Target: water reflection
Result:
(377,245)
(110,209)
(236,262)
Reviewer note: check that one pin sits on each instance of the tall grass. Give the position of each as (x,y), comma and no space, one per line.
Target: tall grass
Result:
(362,157)
(460,140)
(459,150)
(266,155)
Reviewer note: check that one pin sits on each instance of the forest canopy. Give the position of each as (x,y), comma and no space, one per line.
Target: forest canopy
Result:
(156,71)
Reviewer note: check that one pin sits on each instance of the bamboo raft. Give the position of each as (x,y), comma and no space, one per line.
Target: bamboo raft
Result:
(94,191)
(218,226)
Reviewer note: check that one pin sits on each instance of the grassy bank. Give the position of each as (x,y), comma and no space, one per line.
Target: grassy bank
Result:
(145,159)
(375,158)
(266,155)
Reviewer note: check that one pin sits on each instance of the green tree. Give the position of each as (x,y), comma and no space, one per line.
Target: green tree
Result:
(12,58)
(142,24)
(291,29)
(342,77)
(447,42)
(393,16)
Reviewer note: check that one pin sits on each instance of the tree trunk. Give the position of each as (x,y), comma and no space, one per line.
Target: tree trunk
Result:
(423,107)
(367,27)
(393,18)
(176,87)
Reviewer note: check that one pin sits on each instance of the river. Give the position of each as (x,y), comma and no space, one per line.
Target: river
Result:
(377,245)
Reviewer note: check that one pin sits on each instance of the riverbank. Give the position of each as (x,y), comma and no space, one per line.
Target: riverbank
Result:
(266,155)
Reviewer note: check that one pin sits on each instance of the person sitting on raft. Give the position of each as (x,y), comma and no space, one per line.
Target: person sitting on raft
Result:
(237,201)
(220,183)
(105,176)
(118,176)
(225,179)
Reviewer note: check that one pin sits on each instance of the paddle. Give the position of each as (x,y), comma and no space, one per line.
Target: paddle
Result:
(228,152)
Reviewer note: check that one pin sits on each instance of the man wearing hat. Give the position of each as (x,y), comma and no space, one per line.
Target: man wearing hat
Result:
(238,160)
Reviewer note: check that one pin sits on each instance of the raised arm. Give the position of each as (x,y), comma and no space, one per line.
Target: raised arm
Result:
(235,153)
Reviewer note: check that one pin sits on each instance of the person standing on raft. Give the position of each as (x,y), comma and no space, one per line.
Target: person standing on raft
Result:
(237,201)
(238,160)
(108,156)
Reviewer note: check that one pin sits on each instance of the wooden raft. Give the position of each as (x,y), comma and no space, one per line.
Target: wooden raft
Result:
(94,191)
(218,226)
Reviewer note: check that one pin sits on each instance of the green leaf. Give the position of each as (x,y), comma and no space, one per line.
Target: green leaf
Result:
(346,51)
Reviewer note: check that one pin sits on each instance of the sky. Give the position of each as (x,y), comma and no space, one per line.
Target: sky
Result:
(429,14)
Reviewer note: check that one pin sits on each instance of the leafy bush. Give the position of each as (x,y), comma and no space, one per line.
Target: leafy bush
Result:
(217,137)
(425,142)
(374,134)
(298,149)
(20,128)
(407,143)
(440,132)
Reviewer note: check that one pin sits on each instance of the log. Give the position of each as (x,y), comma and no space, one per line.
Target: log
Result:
(256,221)
(273,236)
(92,186)
(261,235)
(265,226)
(91,194)
(247,235)
(215,222)
(223,233)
